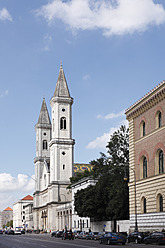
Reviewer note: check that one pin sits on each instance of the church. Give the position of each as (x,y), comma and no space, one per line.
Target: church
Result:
(52,209)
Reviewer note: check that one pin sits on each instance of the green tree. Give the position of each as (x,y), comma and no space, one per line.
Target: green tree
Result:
(108,199)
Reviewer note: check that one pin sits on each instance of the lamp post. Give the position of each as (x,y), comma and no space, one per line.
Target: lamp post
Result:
(126,178)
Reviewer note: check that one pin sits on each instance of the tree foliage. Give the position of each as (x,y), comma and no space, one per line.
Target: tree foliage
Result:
(108,199)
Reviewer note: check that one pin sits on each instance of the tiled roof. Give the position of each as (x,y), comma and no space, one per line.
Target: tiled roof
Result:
(82,167)
(27,198)
(8,209)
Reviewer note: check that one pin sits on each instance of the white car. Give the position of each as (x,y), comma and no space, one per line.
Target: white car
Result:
(17,232)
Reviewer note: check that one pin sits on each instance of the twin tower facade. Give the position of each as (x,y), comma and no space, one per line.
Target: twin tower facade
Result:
(54,157)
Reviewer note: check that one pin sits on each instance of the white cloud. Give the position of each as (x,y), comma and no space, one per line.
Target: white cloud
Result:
(86,77)
(22,183)
(111,115)
(14,188)
(5,15)
(47,42)
(4,94)
(101,142)
(111,16)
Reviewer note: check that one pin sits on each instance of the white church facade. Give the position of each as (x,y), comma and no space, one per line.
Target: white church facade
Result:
(52,209)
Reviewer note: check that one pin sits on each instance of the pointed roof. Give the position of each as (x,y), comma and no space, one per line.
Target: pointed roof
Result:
(61,86)
(44,115)
(8,209)
(27,198)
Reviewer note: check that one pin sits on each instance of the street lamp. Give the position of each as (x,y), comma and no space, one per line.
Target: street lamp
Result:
(125,179)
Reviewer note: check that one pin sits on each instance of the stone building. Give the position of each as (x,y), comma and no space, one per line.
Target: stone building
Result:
(6,216)
(29,216)
(146,155)
(19,211)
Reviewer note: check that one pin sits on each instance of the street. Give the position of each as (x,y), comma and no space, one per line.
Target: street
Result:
(44,240)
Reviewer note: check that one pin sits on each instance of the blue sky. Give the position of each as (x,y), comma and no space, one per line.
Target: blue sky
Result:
(112,54)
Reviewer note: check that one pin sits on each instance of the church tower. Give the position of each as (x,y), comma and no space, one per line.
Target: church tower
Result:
(54,161)
(61,145)
(43,137)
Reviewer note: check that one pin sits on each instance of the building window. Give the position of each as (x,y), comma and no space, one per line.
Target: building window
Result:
(44,179)
(53,124)
(83,223)
(63,166)
(87,223)
(159,120)
(161,162)
(144,167)
(144,206)
(63,123)
(160,203)
(45,145)
(74,224)
(142,129)
(78,223)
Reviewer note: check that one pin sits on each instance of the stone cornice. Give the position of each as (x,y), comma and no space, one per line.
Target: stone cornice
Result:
(147,102)
(148,180)
(45,126)
(150,134)
(62,142)
(50,203)
(61,100)
(41,159)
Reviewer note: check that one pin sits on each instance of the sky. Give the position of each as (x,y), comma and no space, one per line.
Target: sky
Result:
(112,53)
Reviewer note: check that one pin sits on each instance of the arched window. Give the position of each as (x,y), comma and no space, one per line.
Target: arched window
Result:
(142,128)
(143,205)
(161,162)
(45,145)
(160,203)
(144,167)
(159,120)
(63,123)
(44,179)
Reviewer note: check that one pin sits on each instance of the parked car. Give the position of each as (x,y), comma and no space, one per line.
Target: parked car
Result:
(67,235)
(10,232)
(53,234)
(58,234)
(112,238)
(136,237)
(155,238)
(17,232)
(82,235)
(1,232)
(91,235)
(100,234)
(76,233)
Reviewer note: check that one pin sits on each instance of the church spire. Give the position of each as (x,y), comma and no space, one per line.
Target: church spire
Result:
(61,86)
(44,115)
